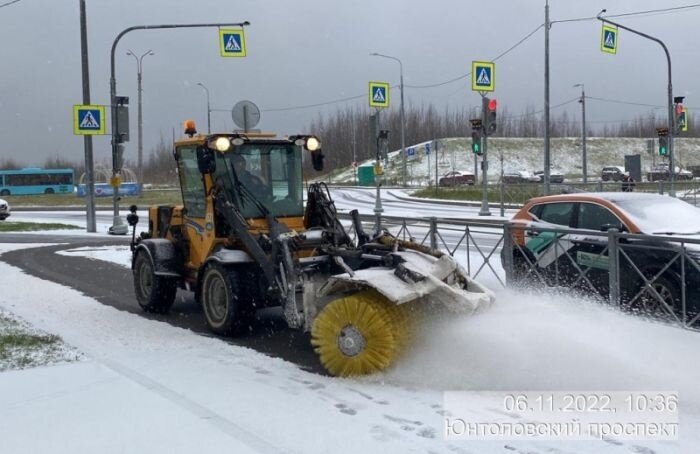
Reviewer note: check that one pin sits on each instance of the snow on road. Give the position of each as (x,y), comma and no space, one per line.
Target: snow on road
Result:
(149,386)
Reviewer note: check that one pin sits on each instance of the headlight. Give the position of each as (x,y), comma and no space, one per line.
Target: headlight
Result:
(313,144)
(222,144)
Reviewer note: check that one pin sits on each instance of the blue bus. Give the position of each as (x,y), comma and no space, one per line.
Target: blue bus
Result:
(36,181)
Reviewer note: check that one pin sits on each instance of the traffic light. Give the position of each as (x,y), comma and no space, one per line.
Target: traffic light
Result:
(678,114)
(476,142)
(663,146)
(490,120)
(663,141)
(476,136)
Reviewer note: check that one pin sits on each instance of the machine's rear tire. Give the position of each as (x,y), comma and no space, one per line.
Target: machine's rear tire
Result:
(154,293)
(5,192)
(48,191)
(359,334)
(223,301)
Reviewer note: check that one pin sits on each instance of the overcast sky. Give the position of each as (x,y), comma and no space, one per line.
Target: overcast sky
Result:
(311,51)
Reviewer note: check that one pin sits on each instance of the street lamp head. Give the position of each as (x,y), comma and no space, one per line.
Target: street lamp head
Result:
(128,52)
(601,13)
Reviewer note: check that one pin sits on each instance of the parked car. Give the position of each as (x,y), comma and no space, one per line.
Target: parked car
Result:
(561,258)
(612,173)
(521,176)
(456,178)
(661,173)
(4,209)
(554,177)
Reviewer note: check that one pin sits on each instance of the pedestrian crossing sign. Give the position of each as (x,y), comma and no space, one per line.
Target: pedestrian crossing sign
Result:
(608,39)
(483,76)
(88,120)
(232,42)
(378,94)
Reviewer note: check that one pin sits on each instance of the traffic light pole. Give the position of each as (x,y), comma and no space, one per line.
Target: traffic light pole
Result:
(672,168)
(118,227)
(484,211)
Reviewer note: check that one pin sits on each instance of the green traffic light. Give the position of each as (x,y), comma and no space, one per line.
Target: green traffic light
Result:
(662,151)
(475,148)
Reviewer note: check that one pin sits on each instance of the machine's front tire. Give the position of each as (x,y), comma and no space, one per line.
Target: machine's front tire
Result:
(223,300)
(359,334)
(154,293)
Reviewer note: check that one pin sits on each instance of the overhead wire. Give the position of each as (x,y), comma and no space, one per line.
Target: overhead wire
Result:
(456,79)
(9,3)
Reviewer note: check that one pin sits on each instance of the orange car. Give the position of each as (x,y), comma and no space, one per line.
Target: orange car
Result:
(582,260)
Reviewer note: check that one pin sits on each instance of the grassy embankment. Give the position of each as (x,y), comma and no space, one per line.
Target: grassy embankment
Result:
(148,198)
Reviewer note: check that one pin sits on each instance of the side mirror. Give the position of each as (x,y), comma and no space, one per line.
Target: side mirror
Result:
(206,161)
(132,218)
(317,160)
(619,227)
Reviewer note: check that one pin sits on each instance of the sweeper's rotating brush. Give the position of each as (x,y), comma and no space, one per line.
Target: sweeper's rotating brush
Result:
(359,334)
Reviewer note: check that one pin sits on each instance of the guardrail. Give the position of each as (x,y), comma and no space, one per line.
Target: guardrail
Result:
(652,275)
(657,276)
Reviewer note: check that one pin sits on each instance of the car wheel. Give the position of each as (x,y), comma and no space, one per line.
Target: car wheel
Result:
(48,191)
(669,291)
(5,192)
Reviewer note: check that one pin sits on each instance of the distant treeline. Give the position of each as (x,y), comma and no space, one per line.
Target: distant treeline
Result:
(345,135)
(348,129)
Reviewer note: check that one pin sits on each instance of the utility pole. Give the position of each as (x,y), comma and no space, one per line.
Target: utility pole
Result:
(484,211)
(547,162)
(87,139)
(582,101)
(139,69)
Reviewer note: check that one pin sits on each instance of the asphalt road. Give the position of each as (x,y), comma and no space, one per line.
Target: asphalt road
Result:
(112,285)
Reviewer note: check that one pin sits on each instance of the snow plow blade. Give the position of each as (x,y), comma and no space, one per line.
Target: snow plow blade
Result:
(366,328)
(418,276)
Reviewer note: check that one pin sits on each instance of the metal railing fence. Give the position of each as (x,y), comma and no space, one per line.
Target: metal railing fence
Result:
(651,275)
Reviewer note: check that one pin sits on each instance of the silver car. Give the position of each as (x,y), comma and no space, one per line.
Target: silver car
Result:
(4,209)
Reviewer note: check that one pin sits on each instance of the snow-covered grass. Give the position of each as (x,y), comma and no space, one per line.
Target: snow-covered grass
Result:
(22,346)
(9,226)
(524,154)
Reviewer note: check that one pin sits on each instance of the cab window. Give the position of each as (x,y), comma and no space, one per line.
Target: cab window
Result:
(557,213)
(191,182)
(594,217)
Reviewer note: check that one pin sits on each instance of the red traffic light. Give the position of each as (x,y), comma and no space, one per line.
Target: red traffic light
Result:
(492,105)
(679,109)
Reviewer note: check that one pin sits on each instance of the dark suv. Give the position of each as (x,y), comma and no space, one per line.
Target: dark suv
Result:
(612,173)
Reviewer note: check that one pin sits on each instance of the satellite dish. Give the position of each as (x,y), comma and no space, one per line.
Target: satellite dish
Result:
(246,115)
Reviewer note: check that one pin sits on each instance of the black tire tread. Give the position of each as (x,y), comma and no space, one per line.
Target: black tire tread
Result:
(163,289)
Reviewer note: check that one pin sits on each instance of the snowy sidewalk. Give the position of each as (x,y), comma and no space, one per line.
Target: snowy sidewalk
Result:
(147,386)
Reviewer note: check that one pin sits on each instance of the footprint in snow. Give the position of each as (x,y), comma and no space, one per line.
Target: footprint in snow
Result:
(345,409)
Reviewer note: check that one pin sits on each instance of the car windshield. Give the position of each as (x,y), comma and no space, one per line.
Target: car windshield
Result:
(660,214)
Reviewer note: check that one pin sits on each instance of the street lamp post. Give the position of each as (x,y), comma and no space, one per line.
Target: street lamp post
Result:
(118,227)
(139,68)
(669,94)
(208,107)
(583,132)
(403,126)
